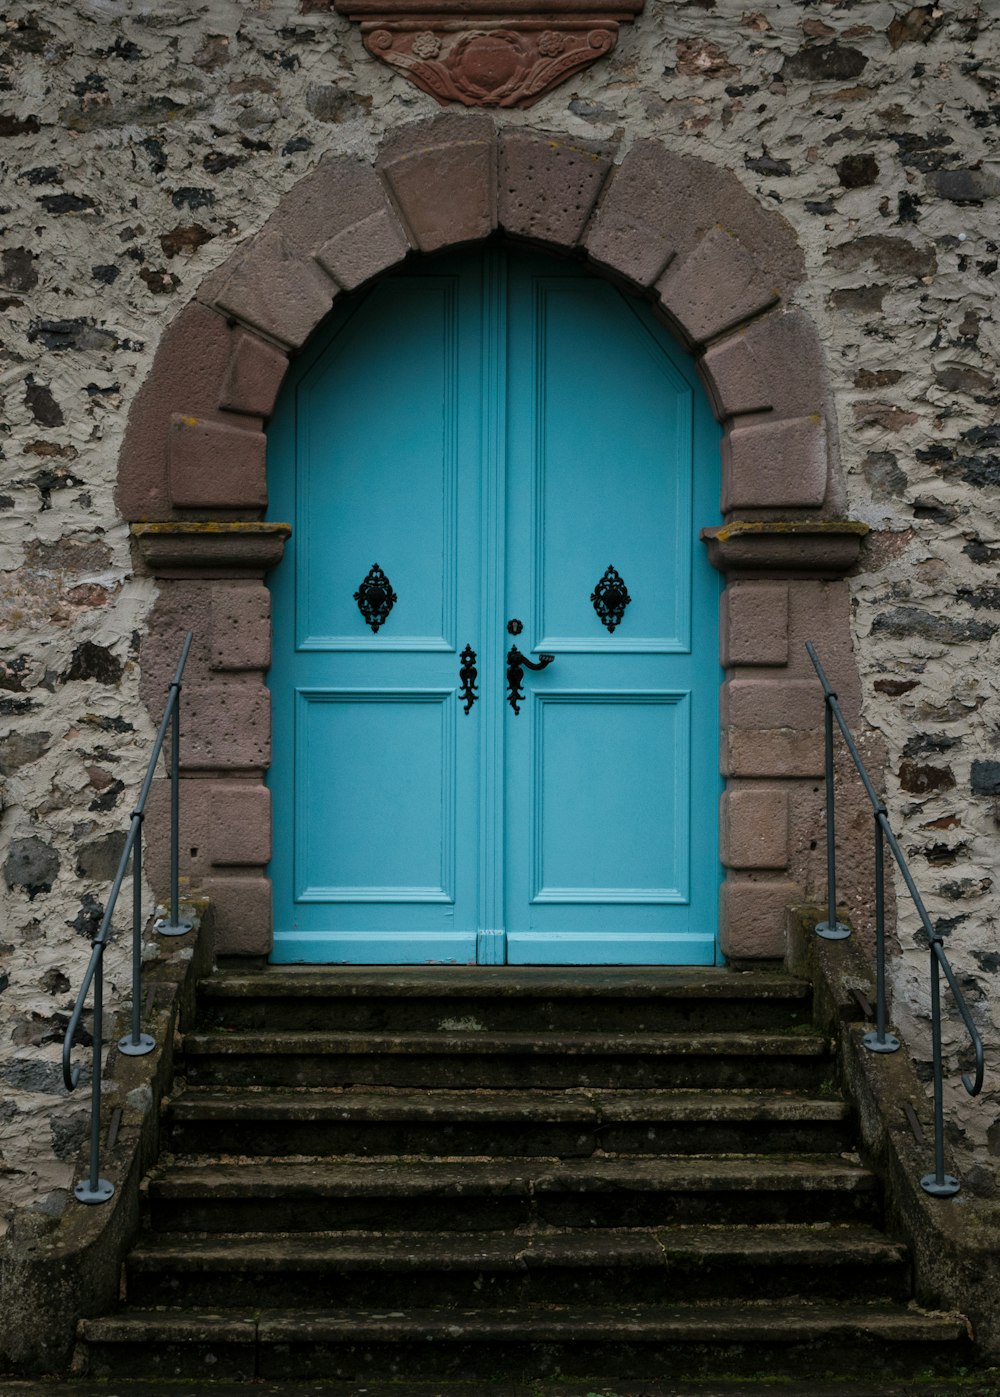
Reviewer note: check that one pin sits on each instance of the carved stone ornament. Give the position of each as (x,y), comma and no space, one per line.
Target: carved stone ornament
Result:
(484,54)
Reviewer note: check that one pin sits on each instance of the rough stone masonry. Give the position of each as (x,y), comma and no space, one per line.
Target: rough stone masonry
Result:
(142,140)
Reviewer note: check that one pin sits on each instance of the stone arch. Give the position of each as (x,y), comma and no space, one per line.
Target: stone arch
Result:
(724,272)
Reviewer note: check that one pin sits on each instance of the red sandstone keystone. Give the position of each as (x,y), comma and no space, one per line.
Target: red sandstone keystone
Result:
(775,465)
(442,174)
(240,626)
(774,363)
(548,185)
(254,375)
(752,918)
(755,624)
(277,288)
(214,466)
(242,915)
(715,287)
(755,827)
(660,205)
(226,727)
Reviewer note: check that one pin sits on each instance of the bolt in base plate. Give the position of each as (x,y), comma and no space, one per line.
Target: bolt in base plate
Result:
(145,1045)
(837,932)
(85,1194)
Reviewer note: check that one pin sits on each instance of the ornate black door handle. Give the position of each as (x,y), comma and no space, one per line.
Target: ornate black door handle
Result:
(516,665)
(467,674)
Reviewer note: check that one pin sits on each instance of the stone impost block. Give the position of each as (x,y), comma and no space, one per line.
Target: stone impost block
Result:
(226,726)
(716,286)
(278,289)
(548,185)
(774,465)
(660,205)
(752,918)
(240,626)
(774,752)
(775,363)
(755,624)
(190,365)
(254,375)
(443,177)
(242,915)
(772,703)
(214,466)
(755,827)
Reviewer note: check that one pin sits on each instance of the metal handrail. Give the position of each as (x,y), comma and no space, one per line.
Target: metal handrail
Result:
(135,1043)
(939,1184)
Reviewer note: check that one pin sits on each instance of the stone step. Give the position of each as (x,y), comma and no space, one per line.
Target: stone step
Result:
(575,1122)
(960,1385)
(503,998)
(589,1266)
(794,1060)
(466,1195)
(790,1340)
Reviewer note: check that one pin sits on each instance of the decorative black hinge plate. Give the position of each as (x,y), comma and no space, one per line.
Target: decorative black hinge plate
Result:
(467,674)
(610,598)
(375,597)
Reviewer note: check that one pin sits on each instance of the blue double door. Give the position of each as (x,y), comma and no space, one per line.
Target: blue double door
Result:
(495,669)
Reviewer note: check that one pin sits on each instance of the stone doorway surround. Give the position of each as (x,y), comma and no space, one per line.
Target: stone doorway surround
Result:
(720,268)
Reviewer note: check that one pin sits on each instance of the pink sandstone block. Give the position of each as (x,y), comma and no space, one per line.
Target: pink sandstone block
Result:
(240,626)
(277,289)
(772,752)
(755,826)
(715,286)
(772,703)
(226,726)
(548,185)
(752,917)
(241,909)
(774,465)
(755,624)
(443,177)
(775,363)
(214,466)
(253,376)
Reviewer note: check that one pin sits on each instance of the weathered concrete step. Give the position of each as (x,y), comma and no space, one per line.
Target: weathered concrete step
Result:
(576,1122)
(587,1266)
(986,1384)
(435,999)
(477,1195)
(685,1341)
(460,1059)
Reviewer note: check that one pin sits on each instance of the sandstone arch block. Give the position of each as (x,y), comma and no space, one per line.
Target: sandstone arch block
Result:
(443,176)
(253,376)
(278,291)
(716,287)
(549,185)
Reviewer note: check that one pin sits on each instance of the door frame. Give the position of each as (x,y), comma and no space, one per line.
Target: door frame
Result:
(723,273)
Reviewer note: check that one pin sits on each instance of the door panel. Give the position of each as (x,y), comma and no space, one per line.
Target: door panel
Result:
(495,430)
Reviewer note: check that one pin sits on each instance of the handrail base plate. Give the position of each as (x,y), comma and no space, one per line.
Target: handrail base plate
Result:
(947,1188)
(83,1193)
(837,932)
(889,1044)
(165,928)
(145,1045)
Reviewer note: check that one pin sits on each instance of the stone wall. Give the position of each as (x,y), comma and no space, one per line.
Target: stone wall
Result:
(141,142)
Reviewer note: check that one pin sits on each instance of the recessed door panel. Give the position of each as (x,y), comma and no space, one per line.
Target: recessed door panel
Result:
(386,756)
(610,802)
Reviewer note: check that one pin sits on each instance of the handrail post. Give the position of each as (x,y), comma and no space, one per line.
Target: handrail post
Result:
(831,929)
(136,1043)
(95,1189)
(939,1184)
(175,925)
(880,1041)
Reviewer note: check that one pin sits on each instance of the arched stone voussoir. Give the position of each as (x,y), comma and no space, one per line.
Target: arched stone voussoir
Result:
(717,286)
(189,370)
(660,205)
(548,185)
(774,364)
(278,289)
(442,174)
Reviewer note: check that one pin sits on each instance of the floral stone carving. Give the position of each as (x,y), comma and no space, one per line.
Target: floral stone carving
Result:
(499,55)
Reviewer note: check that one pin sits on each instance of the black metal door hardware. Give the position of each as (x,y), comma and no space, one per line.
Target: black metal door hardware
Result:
(610,598)
(375,597)
(467,674)
(516,665)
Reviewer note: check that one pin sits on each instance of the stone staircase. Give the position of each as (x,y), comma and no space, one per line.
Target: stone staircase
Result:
(518,1175)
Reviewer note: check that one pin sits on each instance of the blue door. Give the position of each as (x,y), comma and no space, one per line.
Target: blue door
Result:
(495,668)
